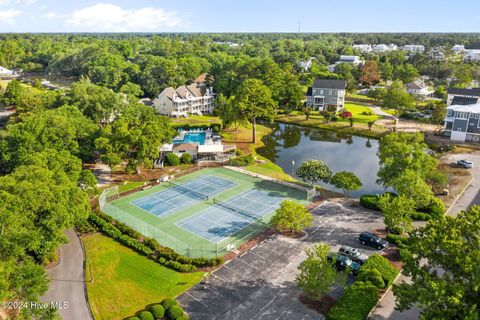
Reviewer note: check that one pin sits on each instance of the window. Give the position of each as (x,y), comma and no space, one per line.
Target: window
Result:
(476,116)
(471,115)
(330,92)
(333,100)
(461,115)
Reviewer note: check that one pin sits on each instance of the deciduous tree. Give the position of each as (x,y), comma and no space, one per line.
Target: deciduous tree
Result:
(347,181)
(292,217)
(314,171)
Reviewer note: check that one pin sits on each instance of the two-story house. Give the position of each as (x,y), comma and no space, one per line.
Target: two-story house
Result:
(327,94)
(462,122)
(419,88)
(185,100)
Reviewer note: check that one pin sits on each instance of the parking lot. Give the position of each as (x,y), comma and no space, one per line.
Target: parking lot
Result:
(260,283)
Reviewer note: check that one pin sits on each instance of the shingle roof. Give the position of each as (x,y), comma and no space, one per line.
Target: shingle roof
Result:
(169,92)
(465,92)
(464,101)
(415,85)
(330,84)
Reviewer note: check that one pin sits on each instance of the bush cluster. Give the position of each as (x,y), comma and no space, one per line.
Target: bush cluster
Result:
(171,159)
(85,227)
(150,247)
(383,267)
(242,161)
(370,201)
(168,309)
(215,126)
(356,302)
(397,239)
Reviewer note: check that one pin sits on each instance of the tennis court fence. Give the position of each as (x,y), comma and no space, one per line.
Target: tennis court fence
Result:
(166,239)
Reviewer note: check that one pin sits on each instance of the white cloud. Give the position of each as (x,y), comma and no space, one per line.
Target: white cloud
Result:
(8,15)
(49,15)
(110,17)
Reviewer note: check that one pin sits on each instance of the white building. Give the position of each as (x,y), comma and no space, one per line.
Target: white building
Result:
(4,72)
(185,100)
(419,88)
(414,48)
(458,48)
(362,47)
(355,60)
(472,55)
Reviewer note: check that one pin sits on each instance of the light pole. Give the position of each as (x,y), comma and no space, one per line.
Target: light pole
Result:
(293,166)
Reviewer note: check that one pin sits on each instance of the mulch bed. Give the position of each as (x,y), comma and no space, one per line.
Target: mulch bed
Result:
(323,306)
(391,253)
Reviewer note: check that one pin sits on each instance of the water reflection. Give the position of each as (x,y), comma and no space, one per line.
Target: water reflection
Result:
(339,151)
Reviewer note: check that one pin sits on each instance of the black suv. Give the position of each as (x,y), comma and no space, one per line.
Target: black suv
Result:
(369,239)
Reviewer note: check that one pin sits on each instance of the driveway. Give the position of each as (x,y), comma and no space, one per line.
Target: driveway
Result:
(260,283)
(379,112)
(67,285)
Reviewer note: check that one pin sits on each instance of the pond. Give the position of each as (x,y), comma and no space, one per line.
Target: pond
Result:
(340,152)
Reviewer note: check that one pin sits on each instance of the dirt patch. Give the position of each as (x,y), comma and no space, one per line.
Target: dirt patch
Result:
(458,178)
(323,306)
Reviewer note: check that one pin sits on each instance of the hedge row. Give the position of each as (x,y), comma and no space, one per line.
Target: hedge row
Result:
(242,161)
(436,208)
(356,302)
(164,255)
(382,266)
(167,309)
(397,239)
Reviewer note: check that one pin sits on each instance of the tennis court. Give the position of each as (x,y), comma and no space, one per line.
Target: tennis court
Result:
(223,219)
(179,216)
(182,195)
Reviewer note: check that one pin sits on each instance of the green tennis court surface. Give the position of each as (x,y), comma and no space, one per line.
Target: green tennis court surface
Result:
(179,215)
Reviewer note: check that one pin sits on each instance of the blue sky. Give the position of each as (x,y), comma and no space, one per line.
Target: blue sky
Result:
(239,16)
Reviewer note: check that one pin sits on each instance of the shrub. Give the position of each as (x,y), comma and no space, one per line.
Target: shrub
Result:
(127,230)
(334,118)
(356,302)
(346,114)
(183,317)
(167,303)
(396,230)
(383,266)
(436,208)
(186,158)
(174,312)
(151,243)
(172,159)
(158,311)
(393,238)
(370,201)
(420,216)
(373,276)
(367,113)
(245,160)
(133,318)
(146,315)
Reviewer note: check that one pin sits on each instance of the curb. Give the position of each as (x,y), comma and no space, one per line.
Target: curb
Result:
(459,195)
(383,295)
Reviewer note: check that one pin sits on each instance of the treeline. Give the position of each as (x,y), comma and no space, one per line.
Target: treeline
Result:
(43,186)
(144,65)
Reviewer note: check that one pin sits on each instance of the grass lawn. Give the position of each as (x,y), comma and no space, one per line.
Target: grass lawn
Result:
(389,111)
(125,282)
(129,185)
(196,120)
(357,109)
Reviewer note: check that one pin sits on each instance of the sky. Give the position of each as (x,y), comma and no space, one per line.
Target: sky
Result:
(239,16)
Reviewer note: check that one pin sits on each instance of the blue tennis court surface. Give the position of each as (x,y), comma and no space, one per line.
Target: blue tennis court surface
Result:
(182,195)
(223,219)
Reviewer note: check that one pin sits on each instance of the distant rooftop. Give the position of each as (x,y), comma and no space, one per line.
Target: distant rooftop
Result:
(465,92)
(330,84)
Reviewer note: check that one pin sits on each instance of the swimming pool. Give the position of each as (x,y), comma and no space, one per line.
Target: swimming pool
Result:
(192,137)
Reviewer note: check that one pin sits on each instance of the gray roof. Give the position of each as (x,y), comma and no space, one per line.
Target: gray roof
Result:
(465,92)
(330,84)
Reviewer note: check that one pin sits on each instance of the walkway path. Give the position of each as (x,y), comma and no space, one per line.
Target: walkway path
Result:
(67,282)
(379,112)
(103,174)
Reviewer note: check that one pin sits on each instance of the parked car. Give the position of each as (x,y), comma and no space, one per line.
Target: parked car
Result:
(465,164)
(372,240)
(354,254)
(342,262)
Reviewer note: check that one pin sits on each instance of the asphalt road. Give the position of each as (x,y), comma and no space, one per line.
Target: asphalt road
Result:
(471,195)
(67,283)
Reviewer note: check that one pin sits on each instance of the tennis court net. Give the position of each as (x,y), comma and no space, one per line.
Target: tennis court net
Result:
(246,214)
(194,193)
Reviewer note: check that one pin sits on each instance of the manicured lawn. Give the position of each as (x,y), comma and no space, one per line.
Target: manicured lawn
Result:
(129,185)
(357,110)
(389,111)
(196,120)
(125,282)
